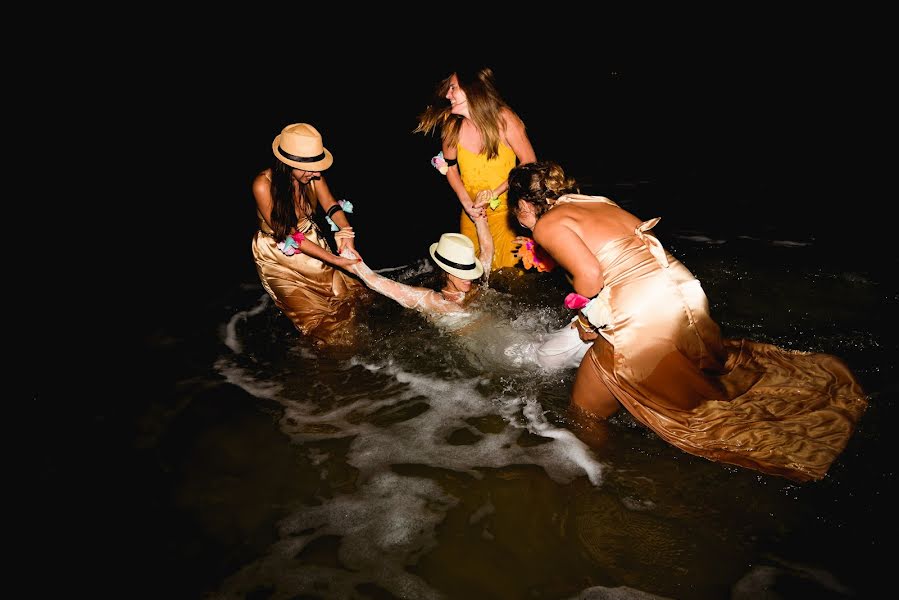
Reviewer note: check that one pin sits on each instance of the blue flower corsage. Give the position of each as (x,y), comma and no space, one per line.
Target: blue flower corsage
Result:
(347,207)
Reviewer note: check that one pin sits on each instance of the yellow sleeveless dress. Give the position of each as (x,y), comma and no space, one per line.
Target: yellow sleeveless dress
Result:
(479,174)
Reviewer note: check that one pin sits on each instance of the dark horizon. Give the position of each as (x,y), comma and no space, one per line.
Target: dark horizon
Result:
(719,142)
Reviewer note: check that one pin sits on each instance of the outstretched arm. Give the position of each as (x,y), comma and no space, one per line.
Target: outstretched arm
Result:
(326,256)
(454,177)
(485,242)
(409,296)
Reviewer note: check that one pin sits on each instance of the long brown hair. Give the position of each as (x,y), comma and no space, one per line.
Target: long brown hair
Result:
(284,214)
(485,106)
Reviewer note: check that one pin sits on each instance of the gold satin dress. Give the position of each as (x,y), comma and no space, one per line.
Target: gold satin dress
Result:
(480,174)
(782,412)
(319,299)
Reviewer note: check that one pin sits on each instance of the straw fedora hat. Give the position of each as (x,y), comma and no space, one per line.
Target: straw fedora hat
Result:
(454,253)
(300,146)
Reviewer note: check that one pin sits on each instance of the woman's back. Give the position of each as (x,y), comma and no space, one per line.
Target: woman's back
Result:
(596,220)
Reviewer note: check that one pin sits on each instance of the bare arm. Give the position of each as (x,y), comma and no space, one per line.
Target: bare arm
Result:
(326,256)
(454,177)
(485,241)
(517,139)
(555,235)
(327,201)
(262,192)
(409,296)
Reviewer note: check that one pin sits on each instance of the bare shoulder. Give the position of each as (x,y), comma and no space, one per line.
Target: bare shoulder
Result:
(511,119)
(549,223)
(262,189)
(263,178)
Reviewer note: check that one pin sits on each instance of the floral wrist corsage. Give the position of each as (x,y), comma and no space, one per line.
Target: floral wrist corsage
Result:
(439,163)
(347,207)
(575,301)
(291,244)
(532,255)
(596,309)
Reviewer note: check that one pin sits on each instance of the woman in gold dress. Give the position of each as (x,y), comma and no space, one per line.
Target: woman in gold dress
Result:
(658,352)
(293,258)
(482,139)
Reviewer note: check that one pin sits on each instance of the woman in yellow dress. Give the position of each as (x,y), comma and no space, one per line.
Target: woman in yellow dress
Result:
(482,140)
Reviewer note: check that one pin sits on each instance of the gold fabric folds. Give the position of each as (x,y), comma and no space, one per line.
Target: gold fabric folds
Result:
(320,300)
(747,403)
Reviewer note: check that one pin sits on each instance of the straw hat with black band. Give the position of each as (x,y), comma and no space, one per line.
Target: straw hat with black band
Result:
(300,146)
(454,253)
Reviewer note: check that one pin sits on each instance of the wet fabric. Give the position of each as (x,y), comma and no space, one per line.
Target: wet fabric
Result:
(480,174)
(320,300)
(779,411)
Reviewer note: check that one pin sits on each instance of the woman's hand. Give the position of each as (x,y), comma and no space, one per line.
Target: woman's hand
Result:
(474,211)
(586,332)
(343,262)
(346,247)
(482,200)
(347,257)
(345,240)
(347,244)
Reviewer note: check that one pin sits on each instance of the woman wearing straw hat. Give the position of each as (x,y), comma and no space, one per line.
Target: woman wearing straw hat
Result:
(293,258)
(454,254)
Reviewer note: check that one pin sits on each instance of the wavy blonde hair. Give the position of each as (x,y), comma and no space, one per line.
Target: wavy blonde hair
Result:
(485,106)
(539,184)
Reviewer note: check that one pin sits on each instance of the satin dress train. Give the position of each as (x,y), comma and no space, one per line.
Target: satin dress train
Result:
(779,411)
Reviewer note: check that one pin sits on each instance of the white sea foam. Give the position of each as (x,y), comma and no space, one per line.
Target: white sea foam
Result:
(230,337)
(390,519)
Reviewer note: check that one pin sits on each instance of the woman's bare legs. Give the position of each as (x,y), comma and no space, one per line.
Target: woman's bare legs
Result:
(590,393)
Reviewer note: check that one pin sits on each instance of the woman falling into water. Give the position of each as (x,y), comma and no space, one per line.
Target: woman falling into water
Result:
(460,268)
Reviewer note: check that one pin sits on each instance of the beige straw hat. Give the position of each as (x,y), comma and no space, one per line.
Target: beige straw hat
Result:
(454,253)
(300,146)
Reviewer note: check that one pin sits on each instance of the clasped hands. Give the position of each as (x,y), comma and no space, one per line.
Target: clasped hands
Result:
(344,238)
(478,208)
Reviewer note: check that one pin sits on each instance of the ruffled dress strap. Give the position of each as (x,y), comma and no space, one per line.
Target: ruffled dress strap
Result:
(651,241)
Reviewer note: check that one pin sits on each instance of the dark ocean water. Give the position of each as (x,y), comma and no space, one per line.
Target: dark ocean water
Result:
(211,453)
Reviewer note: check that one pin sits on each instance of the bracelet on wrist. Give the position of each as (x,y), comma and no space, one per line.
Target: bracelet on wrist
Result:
(586,326)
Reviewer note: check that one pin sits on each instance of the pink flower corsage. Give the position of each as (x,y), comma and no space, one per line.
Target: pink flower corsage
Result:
(291,244)
(575,301)
(439,163)
(532,255)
